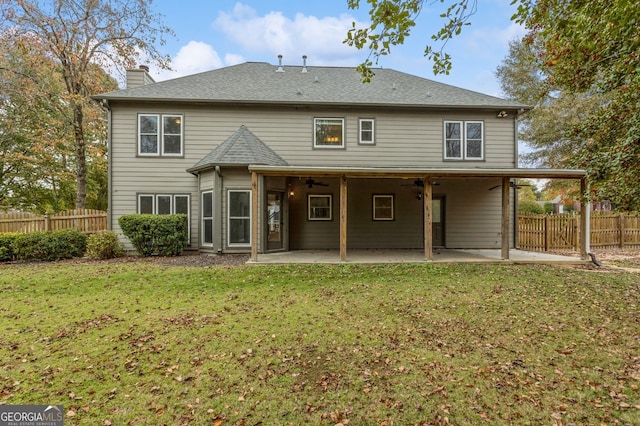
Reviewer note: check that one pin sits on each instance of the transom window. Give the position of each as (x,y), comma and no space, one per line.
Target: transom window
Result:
(328,133)
(319,207)
(383,207)
(160,134)
(463,140)
(367,131)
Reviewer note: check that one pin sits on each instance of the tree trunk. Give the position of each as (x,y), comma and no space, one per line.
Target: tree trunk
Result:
(81,157)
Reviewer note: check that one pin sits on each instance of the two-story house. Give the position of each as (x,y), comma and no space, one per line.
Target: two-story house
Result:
(266,158)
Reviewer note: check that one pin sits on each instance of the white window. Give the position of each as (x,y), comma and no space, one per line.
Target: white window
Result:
(463,140)
(383,207)
(165,204)
(146,204)
(160,135)
(319,207)
(239,218)
(207,218)
(367,131)
(328,133)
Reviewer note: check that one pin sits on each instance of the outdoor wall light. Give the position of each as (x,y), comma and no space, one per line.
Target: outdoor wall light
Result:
(502,114)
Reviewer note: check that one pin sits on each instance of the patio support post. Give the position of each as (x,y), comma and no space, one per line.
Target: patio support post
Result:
(254,216)
(343,218)
(585,219)
(505,217)
(428,218)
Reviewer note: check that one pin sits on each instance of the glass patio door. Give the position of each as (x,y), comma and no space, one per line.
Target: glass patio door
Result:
(273,217)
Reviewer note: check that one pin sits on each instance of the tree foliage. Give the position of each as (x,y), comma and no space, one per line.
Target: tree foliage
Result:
(588,54)
(80,36)
(392,22)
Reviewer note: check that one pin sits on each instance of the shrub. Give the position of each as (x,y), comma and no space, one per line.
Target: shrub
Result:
(6,246)
(54,245)
(104,245)
(530,207)
(149,234)
(548,207)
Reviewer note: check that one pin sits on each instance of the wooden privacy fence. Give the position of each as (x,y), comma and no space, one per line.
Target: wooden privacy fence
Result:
(83,220)
(562,232)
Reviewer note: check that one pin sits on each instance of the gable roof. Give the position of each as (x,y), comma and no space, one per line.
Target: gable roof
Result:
(262,83)
(240,149)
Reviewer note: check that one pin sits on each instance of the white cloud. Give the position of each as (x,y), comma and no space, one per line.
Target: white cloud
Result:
(193,58)
(318,38)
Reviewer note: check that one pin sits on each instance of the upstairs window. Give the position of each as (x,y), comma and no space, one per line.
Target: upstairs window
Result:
(367,131)
(463,140)
(160,135)
(328,133)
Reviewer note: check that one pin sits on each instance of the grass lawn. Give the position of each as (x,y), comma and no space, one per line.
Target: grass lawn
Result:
(126,343)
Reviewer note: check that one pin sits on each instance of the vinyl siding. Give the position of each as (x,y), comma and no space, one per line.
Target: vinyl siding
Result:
(403,138)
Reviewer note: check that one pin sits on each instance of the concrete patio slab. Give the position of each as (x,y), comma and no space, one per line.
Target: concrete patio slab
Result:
(415,256)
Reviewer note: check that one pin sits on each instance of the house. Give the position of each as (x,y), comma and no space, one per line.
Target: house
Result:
(266,158)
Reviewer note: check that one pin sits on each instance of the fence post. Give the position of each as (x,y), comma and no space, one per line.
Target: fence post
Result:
(621,223)
(576,233)
(47,222)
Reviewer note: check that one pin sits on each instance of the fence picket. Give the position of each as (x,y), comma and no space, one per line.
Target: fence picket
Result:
(562,232)
(83,220)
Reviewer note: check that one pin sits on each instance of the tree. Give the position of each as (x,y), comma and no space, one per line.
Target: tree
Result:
(79,35)
(592,49)
(38,163)
(392,22)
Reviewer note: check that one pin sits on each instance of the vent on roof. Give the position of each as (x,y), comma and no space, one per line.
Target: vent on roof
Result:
(280,69)
(304,63)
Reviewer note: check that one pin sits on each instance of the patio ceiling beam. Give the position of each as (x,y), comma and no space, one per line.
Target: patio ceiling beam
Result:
(412,173)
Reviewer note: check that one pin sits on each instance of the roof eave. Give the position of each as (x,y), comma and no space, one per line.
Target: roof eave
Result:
(409,172)
(311,103)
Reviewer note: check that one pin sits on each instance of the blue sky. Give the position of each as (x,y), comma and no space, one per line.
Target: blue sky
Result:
(215,33)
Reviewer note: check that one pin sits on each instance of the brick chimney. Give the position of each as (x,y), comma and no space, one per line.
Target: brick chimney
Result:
(139,77)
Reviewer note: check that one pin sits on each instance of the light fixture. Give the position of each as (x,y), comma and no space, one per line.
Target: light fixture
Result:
(502,114)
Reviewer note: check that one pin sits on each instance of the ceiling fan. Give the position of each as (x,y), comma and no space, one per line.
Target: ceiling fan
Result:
(310,182)
(418,182)
(512,185)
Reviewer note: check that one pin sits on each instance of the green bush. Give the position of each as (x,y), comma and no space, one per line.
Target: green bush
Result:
(150,234)
(104,245)
(54,245)
(548,207)
(6,246)
(530,207)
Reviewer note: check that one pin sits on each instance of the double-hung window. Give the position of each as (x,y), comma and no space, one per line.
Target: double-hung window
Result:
(160,135)
(319,207)
(328,133)
(207,218)
(463,140)
(367,131)
(239,218)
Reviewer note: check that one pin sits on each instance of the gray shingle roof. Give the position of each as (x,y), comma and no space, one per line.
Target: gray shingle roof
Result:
(240,149)
(259,82)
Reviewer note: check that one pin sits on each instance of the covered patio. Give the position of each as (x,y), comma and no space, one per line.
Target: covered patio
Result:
(427,178)
(417,256)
